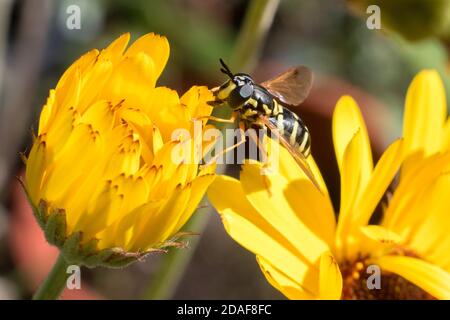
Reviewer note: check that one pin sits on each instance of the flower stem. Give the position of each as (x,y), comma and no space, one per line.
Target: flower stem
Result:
(257,21)
(55,282)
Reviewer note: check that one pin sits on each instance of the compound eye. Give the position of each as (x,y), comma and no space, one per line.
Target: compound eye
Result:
(246,91)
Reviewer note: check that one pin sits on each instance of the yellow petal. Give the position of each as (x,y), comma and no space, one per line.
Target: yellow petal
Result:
(381,178)
(60,129)
(196,99)
(376,240)
(115,50)
(134,226)
(330,280)
(347,121)
(398,215)
(143,126)
(425,113)
(289,168)
(313,208)
(428,234)
(125,158)
(100,116)
(350,188)
(198,189)
(93,82)
(132,78)
(135,191)
(381,234)
(115,137)
(47,111)
(82,192)
(83,148)
(171,166)
(160,224)
(66,97)
(250,229)
(427,276)
(154,46)
(446,138)
(36,165)
(97,215)
(163,107)
(282,282)
(177,178)
(80,66)
(265,193)
(157,140)
(160,98)
(150,174)
(69,95)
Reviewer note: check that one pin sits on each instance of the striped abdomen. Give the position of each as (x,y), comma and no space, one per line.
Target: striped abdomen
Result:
(292,128)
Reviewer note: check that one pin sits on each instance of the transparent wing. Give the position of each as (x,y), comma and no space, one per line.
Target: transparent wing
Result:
(292,86)
(297,155)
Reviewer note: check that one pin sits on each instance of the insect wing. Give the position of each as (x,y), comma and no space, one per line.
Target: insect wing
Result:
(297,155)
(291,87)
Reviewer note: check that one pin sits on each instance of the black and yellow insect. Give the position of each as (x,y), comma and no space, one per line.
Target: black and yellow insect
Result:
(266,105)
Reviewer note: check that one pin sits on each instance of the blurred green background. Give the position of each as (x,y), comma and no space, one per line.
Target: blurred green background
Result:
(329,36)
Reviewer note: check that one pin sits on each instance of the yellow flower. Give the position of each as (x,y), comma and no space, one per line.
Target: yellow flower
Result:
(291,228)
(101,174)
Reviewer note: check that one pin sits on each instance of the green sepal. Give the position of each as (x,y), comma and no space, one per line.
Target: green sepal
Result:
(79,251)
(87,254)
(40,213)
(98,259)
(71,248)
(90,248)
(55,227)
(120,258)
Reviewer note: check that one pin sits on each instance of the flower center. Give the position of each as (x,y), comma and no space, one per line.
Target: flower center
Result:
(360,283)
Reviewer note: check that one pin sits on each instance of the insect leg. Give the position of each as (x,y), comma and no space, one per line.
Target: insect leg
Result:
(265,168)
(228,149)
(261,145)
(215,89)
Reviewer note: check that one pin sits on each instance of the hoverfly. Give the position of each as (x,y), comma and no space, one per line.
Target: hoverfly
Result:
(265,105)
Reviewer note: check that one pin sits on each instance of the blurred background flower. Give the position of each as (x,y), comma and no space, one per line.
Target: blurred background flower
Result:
(325,35)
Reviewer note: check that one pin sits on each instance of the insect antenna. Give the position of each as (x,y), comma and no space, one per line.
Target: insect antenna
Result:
(225,69)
